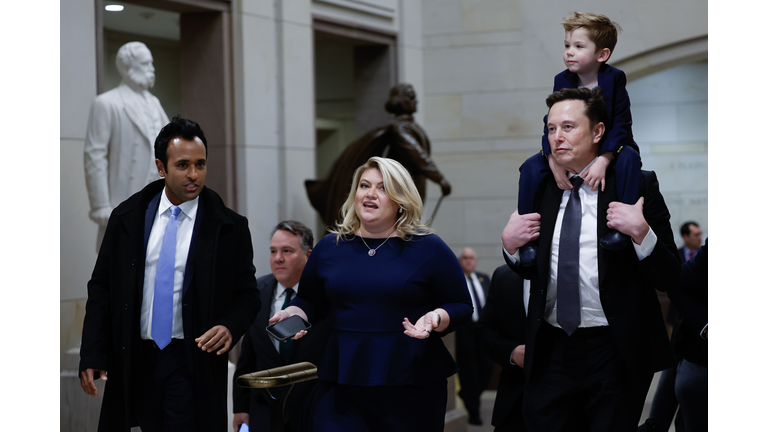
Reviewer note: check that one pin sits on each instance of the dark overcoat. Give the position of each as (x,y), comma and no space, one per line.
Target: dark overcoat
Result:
(219,289)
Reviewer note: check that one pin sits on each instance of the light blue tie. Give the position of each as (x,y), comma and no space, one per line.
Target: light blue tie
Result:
(162,310)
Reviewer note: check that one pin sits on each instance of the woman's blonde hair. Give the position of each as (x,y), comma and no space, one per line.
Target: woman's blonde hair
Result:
(399,187)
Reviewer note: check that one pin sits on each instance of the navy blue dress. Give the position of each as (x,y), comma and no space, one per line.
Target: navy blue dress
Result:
(366,299)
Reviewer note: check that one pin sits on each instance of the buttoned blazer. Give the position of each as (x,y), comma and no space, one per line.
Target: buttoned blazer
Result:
(258,353)
(219,289)
(626,284)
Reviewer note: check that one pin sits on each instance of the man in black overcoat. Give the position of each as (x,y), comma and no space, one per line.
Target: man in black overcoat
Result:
(166,369)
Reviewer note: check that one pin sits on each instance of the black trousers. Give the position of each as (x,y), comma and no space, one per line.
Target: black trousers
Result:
(165,395)
(580,383)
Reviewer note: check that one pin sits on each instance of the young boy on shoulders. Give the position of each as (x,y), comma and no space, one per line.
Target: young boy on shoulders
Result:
(589,42)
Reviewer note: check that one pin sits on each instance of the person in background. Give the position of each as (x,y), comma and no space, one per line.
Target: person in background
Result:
(475,367)
(289,250)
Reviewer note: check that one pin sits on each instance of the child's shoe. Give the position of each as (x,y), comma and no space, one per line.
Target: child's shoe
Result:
(614,240)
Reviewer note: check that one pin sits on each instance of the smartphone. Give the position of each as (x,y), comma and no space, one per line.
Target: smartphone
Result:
(288,328)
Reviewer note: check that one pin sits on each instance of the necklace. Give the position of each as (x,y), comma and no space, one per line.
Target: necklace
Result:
(372,252)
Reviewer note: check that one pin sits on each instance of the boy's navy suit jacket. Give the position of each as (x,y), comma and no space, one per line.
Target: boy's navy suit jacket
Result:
(618,130)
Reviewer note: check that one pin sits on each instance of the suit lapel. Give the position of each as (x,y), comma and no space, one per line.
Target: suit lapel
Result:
(603,199)
(262,321)
(548,209)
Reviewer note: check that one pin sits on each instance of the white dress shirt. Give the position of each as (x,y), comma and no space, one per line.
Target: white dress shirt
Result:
(477,303)
(186,222)
(277,304)
(592,313)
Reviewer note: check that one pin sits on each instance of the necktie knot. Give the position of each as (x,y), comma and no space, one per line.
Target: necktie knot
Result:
(576,181)
(288,297)
(175,210)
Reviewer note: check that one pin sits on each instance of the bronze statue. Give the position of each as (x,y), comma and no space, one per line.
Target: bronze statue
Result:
(401,139)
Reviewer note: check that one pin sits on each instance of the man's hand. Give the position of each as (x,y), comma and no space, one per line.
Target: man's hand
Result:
(100,215)
(628,219)
(594,176)
(518,355)
(86,381)
(561,174)
(520,230)
(239,419)
(217,336)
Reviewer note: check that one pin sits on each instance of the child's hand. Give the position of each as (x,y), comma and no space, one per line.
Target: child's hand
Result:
(594,176)
(561,174)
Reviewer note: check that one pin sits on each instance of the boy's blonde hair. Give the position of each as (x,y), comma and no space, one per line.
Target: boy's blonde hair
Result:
(399,187)
(600,29)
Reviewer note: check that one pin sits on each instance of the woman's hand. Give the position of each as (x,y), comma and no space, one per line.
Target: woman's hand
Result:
(431,320)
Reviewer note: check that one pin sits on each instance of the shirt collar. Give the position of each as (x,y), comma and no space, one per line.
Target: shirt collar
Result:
(189,208)
(281,289)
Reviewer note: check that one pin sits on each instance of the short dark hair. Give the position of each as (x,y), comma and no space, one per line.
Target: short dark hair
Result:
(299,229)
(685,229)
(178,127)
(594,105)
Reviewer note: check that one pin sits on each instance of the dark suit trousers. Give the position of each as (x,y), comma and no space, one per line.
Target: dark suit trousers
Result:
(165,394)
(580,383)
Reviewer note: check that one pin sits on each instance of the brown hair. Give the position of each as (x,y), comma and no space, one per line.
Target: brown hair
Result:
(600,29)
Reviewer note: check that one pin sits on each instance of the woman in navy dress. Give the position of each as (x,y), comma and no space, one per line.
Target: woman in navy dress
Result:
(390,289)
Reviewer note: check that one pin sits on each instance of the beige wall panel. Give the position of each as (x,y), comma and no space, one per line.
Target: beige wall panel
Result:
(261,207)
(256,90)
(300,166)
(77,66)
(262,8)
(298,86)
(467,69)
(78,232)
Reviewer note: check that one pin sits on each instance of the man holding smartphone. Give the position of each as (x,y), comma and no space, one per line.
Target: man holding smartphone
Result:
(289,249)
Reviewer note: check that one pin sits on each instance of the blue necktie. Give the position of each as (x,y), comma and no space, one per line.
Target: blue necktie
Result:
(162,309)
(568,299)
(285,347)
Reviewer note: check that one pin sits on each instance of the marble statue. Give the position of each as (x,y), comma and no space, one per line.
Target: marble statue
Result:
(119,142)
(401,139)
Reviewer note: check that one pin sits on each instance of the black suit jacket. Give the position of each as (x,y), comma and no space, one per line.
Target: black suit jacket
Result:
(219,289)
(500,330)
(690,297)
(465,335)
(626,284)
(258,353)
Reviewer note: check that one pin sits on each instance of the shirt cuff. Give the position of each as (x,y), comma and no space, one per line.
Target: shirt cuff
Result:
(644,249)
(514,258)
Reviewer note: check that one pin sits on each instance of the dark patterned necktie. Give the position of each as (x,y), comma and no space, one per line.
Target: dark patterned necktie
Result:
(568,299)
